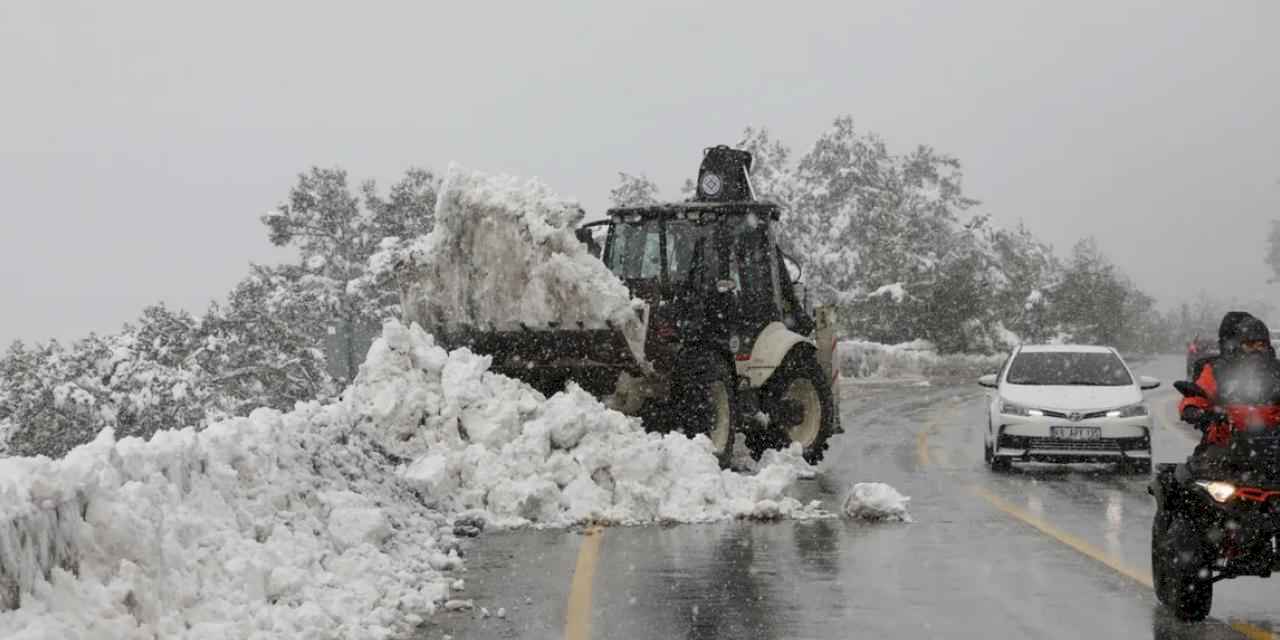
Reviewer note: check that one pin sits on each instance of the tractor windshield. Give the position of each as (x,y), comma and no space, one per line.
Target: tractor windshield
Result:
(686,247)
(635,250)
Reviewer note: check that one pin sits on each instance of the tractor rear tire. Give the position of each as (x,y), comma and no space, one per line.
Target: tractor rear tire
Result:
(801,407)
(706,403)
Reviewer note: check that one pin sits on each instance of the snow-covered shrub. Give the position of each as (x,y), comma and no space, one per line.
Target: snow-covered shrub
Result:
(916,359)
(167,370)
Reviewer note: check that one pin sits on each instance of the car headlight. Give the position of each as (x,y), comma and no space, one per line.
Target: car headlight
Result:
(1220,491)
(1130,411)
(1011,409)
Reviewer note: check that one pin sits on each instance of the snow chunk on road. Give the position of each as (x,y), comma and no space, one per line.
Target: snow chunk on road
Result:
(876,501)
(896,291)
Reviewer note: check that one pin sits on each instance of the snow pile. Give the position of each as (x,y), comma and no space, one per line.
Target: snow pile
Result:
(896,291)
(503,253)
(328,521)
(492,447)
(275,525)
(876,501)
(915,359)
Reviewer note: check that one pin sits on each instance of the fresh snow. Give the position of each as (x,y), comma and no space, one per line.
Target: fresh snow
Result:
(339,519)
(335,520)
(503,253)
(876,501)
(486,445)
(268,526)
(909,360)
(896,291)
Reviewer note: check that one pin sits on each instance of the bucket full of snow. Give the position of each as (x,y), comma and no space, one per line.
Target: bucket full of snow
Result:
(504,275)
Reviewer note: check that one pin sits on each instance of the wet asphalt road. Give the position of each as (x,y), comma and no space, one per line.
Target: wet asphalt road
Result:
(1042,551)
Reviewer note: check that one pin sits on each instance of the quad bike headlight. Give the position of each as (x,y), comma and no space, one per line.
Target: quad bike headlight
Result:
(1220,491)
(1011,409)
(1130,411)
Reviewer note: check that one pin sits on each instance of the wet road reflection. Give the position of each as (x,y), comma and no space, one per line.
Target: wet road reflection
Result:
(964,569)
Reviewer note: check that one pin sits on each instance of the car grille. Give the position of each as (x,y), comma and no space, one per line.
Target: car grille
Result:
(1083,416)
(1073,445)
(1106,444)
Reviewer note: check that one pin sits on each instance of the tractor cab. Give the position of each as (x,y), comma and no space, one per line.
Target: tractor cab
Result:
(710,268)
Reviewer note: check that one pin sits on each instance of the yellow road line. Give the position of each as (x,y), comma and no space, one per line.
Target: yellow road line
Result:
(577,624)
(1251,632)
(922,448)
(1068,539)
(1133,573)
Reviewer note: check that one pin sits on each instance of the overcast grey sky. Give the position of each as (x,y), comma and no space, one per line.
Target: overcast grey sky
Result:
(140,141)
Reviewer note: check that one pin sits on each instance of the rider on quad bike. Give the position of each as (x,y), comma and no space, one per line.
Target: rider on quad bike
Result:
(1244,345)
(1218,514)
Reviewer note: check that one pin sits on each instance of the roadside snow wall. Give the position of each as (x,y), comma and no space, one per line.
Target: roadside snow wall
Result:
(916,359)
(275,525)
(503,252)
(334,521)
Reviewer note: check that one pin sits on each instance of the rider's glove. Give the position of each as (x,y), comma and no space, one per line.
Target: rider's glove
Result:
(1193,414)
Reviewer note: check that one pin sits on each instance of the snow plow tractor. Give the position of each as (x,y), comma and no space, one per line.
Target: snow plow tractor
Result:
(727,347)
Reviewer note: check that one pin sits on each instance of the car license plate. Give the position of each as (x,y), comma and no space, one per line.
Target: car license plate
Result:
(1076,433)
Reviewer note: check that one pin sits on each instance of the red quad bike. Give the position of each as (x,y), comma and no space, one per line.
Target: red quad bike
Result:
(1218,514)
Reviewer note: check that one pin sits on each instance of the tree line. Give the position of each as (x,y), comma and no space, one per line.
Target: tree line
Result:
(284,334)
(891,238)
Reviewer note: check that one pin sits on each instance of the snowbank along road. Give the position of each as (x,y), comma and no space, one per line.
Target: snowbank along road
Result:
(1041,551)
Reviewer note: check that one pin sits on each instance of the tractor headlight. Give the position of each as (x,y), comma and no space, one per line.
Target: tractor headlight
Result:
(1011,409)
(1220,491)
(1131,411)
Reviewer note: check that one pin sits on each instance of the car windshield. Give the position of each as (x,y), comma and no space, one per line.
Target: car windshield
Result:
(1068,368)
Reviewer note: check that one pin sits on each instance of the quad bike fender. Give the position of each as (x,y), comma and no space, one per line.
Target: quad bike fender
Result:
(770,348)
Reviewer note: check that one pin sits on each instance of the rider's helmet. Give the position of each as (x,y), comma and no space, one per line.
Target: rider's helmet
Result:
(1242,333)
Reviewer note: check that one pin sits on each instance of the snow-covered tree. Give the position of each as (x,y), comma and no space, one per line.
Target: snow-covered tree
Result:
(633,191)
(167,369)
(336,236)
(260,348)
(1026,269)
(137,381)
(1089,303)
(866,221)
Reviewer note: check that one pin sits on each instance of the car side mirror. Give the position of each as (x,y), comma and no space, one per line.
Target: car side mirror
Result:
(988,381)
(1147,382)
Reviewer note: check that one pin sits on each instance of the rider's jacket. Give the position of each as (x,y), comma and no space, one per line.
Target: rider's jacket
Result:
(1246,387)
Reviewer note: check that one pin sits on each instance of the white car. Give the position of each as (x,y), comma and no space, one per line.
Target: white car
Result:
(1067,403)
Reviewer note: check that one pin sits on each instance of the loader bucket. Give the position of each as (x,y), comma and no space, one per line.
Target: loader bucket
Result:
(548,357)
